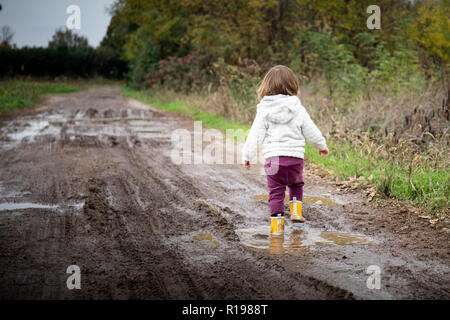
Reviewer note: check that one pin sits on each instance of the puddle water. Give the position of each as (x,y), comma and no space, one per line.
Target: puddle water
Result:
(96,131)
(77,205)
(56,124)
(29,205)
(25,205)
(206,204)
(343,239)
(206,238)
(52,117)
(84,123)
(140,119)
(148,131)
(30,129)
(306,199)
(151,134)
(297,241)
(140,122)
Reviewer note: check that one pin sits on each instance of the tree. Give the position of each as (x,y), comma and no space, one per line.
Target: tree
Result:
(6,35)
(68,39)
(431,29)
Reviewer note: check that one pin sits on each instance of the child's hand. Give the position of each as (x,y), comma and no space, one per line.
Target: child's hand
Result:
(247,164)
(324,152)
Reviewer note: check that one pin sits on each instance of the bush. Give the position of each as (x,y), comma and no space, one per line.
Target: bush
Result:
(145,63)
(179,73)
(322,54)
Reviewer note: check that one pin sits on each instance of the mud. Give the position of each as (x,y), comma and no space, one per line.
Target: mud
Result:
(86,179)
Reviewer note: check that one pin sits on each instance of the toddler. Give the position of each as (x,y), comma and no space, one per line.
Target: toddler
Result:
(280,127)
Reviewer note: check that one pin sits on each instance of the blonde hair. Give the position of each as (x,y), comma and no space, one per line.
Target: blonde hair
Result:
(279,80)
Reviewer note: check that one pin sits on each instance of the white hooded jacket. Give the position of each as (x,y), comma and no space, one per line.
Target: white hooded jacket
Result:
(280,127)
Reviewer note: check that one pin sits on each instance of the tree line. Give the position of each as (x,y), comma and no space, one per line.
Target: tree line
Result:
(233,39)
(67,54)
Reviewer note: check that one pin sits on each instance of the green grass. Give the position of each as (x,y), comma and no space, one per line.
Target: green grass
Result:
(425,185)
(16,94)
(421,184)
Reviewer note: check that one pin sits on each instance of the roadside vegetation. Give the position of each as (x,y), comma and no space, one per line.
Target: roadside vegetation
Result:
(21,93)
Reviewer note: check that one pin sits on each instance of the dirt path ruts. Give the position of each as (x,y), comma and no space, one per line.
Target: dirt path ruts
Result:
(86,179)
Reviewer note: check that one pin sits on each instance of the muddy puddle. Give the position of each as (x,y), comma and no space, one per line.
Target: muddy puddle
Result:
(298,240)
(24,205)
(18,131)
(306,199)
(8,206)
(148,131)
(206,239)
(38,128)
(144,128)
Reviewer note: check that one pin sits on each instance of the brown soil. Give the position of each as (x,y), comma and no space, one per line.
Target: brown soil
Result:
(87,179)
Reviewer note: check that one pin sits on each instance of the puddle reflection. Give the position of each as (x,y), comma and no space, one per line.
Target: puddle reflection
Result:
(297,241)
(25,205)
(206,238)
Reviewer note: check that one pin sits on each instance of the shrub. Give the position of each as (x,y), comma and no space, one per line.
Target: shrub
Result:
(179,73)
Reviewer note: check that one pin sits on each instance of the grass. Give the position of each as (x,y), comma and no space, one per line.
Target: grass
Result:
(419,184)
(18,94)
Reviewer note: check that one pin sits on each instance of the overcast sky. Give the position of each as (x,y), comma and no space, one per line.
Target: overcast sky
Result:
(34,21)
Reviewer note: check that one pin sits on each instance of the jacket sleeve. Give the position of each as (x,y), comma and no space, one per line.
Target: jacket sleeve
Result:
(311,133)
(254,139)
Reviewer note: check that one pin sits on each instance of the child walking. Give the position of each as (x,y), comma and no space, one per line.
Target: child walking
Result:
(280,128)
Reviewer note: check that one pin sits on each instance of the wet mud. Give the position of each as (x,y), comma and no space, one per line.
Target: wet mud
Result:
(86,179)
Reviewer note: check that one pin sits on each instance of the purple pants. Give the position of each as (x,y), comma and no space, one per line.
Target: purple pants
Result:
(281,172)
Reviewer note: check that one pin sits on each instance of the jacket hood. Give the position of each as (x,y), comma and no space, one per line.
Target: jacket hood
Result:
(279,108)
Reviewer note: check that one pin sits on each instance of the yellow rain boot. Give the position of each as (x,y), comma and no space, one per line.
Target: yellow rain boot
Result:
(296,210)
(277,225)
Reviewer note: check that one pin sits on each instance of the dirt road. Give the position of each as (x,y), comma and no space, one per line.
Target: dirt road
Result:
(86,179)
